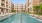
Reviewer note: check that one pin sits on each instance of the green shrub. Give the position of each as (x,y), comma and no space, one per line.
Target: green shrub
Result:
(13,10)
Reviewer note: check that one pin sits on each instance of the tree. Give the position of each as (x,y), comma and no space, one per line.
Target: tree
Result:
(41,8)
(36,8)
(13,10)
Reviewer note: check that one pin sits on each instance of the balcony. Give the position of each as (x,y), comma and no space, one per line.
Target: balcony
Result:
(7,6)
(6,2)
(3,1)
(3,5)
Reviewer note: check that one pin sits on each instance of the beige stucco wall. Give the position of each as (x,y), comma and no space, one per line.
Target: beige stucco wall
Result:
(35,2)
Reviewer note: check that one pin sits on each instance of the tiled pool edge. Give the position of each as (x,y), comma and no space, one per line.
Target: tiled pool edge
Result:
(31,15)
(35,18)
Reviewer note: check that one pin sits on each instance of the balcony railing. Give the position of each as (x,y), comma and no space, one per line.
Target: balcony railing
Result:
(2,0)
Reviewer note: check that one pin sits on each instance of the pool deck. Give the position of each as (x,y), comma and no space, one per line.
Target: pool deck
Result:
(36,16)
(3,16)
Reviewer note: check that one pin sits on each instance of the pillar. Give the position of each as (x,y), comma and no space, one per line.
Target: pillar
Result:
(0,11)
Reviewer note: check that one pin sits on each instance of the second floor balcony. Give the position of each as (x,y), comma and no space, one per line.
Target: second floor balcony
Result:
(6,2)
(3,1)
(3,5)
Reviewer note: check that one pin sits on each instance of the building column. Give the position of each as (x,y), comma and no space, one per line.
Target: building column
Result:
(0,11)
(0,2)
(9,11)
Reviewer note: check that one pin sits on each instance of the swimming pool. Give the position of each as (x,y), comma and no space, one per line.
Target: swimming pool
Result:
(20,18)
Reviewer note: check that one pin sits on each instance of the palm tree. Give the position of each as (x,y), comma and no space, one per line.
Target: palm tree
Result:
(41,8)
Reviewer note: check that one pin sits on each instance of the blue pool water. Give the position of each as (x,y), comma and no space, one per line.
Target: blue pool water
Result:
(20,18)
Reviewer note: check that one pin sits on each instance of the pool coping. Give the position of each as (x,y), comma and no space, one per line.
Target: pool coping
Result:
(6,16)
(31,15)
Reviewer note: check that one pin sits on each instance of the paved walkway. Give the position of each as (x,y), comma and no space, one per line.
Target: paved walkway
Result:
(36,16)
(3,16)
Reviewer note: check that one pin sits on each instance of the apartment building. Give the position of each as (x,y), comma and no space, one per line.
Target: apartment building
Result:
(12,6)
(16,7)
(19,7)
(40,1)
(29,6)
(36,2)
(5,6)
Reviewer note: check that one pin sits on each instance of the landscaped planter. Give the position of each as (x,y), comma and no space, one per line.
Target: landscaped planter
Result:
(0,12)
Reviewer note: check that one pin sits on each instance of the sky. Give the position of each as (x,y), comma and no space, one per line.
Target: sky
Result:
(19,1)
